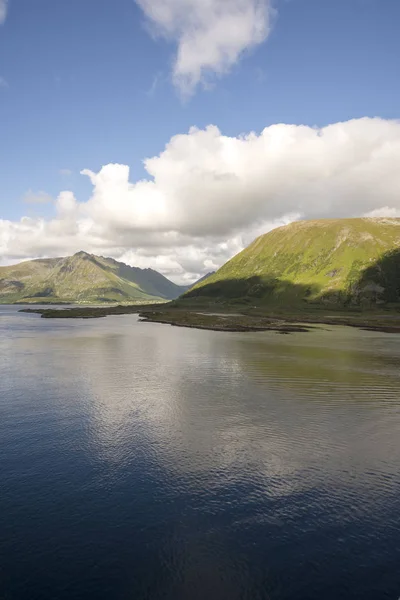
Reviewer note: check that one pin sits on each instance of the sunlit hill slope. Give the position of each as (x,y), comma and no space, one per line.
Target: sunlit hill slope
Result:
(334,262)
(83,278)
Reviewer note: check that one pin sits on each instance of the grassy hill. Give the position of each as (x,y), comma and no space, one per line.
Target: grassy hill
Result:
(346,262)
(201,280)
(83,278)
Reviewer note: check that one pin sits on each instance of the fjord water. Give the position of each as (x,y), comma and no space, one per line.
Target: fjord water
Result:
(142,461)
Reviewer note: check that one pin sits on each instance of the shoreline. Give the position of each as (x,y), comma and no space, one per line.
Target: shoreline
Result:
(230,322)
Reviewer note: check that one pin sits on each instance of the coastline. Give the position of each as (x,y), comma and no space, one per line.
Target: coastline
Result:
(229,321)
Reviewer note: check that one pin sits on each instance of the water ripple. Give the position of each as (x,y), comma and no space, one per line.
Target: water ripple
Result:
(150,462)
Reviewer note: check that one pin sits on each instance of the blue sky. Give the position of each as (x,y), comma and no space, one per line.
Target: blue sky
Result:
(87,83)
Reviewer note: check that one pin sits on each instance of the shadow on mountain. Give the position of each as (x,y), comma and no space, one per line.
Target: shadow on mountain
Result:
(375,286)
(380,282)
(252,289)
(368,288)
(46,292)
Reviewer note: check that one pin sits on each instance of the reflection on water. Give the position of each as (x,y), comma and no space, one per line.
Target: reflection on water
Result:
(145,461)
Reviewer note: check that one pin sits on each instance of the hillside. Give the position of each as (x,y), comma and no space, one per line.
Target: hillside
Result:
(201,280)
(335,262)
(83,278)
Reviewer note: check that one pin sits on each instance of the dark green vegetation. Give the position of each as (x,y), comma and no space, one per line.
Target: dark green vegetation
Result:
(339,263)
(83,278)
(87,312)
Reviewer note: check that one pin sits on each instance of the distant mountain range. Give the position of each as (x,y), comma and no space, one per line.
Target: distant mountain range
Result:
(330,261)
(84,278)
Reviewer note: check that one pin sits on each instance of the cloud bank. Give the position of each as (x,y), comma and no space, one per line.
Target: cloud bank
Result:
(211,35)
(209,195)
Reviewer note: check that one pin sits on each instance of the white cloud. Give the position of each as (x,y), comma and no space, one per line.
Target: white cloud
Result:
(3,10)
(3,82)
(65,172)
(211,35)
(386,211)
(209,195)
(37,197)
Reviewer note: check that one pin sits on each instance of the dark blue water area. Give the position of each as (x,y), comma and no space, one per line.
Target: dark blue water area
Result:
(140,461)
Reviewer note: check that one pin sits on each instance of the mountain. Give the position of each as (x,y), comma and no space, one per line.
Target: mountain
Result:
(83,278)
(190,287)
(330,261)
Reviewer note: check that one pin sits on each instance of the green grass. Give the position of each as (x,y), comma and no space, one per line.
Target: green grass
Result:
(337,262)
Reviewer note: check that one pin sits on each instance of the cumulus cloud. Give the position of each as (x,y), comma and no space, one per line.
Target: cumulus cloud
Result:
(3,10)
(211,35)
(208,195)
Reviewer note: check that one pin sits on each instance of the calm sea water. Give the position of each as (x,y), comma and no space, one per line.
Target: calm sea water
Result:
(141,461)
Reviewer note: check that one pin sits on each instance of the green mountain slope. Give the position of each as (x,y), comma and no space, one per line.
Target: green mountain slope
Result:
(338,261)
(83,278)
(201,280)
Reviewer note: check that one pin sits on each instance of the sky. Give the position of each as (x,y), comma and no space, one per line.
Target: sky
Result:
(170,133)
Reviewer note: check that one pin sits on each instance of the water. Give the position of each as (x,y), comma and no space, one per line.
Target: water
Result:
(141,461)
